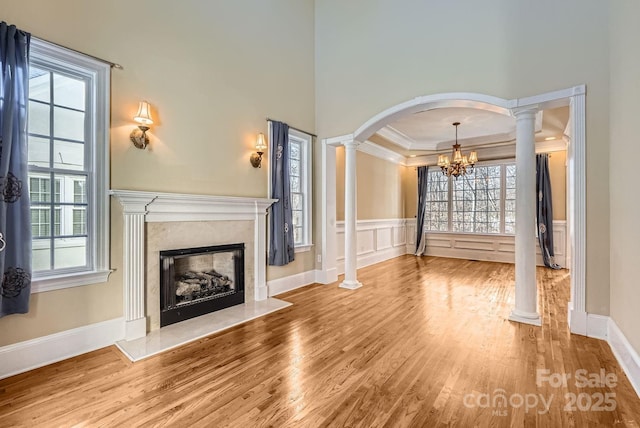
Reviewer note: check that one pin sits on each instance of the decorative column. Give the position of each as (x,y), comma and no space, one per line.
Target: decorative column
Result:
(134,210)
(260,250)
(350,237)
(576,212)
(526,308)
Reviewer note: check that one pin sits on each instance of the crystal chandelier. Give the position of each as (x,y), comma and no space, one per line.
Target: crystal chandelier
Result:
(460,164)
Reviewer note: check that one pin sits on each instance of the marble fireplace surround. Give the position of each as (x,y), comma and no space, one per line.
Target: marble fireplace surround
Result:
(156,221)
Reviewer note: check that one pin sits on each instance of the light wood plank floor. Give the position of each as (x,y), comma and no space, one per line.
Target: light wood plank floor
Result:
(423,337)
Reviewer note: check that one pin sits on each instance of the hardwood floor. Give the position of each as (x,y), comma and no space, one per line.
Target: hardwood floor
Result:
(424,343)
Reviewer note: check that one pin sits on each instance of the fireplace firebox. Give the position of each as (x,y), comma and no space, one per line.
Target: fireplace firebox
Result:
(196,281)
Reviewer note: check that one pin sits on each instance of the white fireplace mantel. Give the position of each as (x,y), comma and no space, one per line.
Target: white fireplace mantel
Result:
(140,207)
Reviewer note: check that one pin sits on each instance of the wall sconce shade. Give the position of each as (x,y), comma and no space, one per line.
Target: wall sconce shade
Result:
(143,117)
(144,114)
(261,146)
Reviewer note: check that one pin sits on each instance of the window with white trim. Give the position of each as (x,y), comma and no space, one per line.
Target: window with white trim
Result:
(300,187)
(482,202)
(68,146)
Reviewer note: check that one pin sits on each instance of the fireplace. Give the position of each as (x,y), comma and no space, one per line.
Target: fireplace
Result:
(196,281)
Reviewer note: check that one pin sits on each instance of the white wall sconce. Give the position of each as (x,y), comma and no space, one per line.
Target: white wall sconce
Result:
(261,146)
(143,117)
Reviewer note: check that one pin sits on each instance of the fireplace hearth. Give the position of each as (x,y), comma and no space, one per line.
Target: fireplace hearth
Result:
(197,281)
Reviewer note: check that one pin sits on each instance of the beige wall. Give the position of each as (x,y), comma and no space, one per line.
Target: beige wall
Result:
(212,71)
(379,183)
(372,56)
(558,178)
(410,190)
(625,235)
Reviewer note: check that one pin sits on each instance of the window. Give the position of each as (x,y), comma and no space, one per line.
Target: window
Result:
(482,202)
(437,212)
(68,135)
(300,187)
(476,201)
(510,200)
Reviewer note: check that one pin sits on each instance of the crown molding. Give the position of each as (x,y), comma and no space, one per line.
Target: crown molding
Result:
(381,152)
(505,151)
(400,139)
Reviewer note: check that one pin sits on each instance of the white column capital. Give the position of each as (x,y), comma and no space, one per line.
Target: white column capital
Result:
(353,144)
(525,112)
(133,202)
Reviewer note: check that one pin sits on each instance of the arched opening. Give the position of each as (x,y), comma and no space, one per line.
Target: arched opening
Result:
(574,98)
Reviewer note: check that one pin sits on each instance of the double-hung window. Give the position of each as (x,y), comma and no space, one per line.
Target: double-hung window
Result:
(68,124)
(482,202)
(300,186)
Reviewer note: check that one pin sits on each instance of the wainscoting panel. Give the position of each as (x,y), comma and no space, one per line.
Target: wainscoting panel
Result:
(366,241)
(438,242)
(487,247)
(507,247)
(473,244)
(378,240)
(399,236)
(384,239)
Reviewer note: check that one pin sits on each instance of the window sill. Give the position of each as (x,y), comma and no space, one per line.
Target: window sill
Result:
(303,248)
(59,282)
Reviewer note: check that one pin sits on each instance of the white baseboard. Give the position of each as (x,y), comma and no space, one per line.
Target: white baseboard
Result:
(625,354)
(585,324)
(577,321)
(327,276)
(597,326)
(288,283)
(31,354)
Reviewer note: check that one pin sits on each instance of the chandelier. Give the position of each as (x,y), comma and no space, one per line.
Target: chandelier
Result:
(460,164)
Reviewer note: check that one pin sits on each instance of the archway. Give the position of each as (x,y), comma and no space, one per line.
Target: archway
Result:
(576,177)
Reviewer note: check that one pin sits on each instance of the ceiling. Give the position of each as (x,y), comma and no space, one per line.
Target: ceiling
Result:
(431,131)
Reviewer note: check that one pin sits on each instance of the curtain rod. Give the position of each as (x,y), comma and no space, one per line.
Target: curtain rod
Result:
(112,64)
(292,127)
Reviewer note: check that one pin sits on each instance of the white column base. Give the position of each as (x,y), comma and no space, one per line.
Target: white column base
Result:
(532,318)
(135,329)
(350,285)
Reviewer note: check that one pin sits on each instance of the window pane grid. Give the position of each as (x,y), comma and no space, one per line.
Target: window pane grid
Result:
(475,203)
(57,134)
(79,221)
(510,200)
(298,176)
(437,210)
